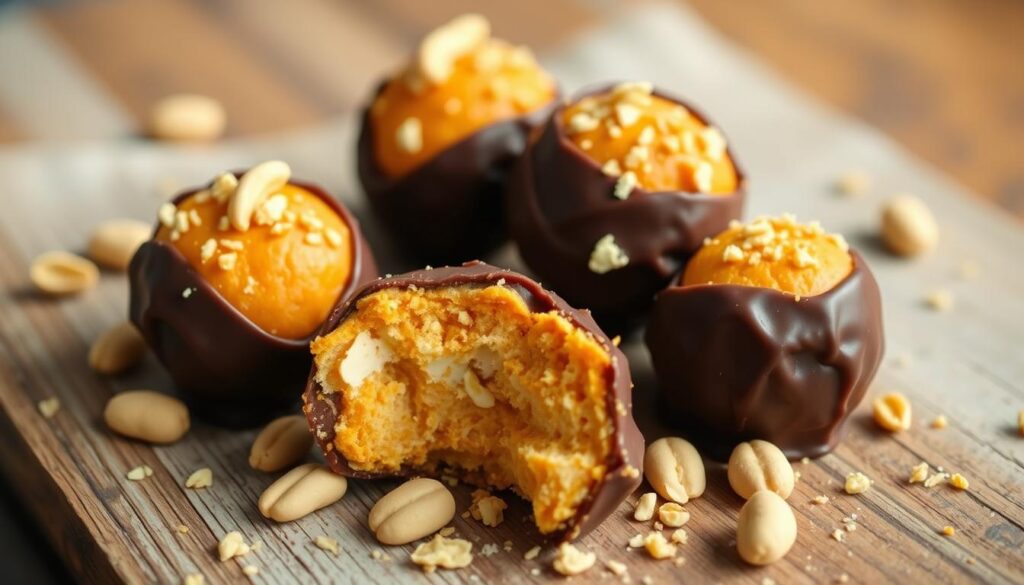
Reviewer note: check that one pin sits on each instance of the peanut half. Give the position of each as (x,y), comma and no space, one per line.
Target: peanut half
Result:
(148,416)
(908,226)
(892,412)
(760,465)
(439,50)
(415,509)
(117,349)
(114,242)
(258,183)
(301,491)
(63,273)
(283,442)
(674,469)
(187,117)
(765,529)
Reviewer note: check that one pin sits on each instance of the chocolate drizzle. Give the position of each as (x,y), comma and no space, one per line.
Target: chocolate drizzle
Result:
(449,209)
(560,203)
(736,363)
(229,370)
(624,465)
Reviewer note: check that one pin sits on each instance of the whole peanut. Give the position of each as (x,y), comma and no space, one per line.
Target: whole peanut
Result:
(765,529)
(760,465)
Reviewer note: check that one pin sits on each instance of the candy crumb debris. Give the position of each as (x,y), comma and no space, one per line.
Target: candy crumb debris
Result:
(49,407)
(326,543)
(532,553)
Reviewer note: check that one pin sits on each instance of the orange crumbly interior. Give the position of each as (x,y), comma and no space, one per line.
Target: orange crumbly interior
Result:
(284,273)
(650,142)
(413,121)
(773,252)
(470,378)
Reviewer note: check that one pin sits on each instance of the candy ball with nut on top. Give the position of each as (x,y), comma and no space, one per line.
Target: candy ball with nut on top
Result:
(234,282)
(619,188)
(481,373)
(773,332)
(439,136)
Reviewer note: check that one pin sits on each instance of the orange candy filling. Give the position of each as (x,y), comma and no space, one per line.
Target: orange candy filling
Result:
(284,275)
(773,252)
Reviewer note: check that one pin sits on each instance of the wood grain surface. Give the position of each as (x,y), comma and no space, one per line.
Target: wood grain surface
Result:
(70,472)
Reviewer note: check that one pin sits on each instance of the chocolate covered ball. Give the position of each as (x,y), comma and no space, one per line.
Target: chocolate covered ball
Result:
(438,138)
(773,332)
(617,191)
(234,282)
(478,372)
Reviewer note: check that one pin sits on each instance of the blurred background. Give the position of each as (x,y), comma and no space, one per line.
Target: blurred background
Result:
(945,78)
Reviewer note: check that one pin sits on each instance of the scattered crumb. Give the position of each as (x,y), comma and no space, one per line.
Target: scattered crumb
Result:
(637,541)
(838,535)
(853,183)
(49,407)
(489,549)
(256,546)
(658,547)
(570,560)
(193,579)
(447,531)
(939,422)
(487,509)
(232,545)
(644,509)
(958,481)
(532,553)
(187,292)
(939,300)
(672,515)
(936,479)
(182,529)
(970,560)
(251,570)
(820,500)
(617,568)
(805,460)
(919,473)
(844,578)
(326,543)
(200,478)
(679,536)
(948,531)
(857,483)
(449,553)
(139,473)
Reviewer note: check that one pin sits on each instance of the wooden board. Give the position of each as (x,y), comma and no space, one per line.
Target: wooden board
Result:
(967,364)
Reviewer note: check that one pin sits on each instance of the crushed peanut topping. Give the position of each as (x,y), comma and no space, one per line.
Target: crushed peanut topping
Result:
(958,481)
(919,473)
(200,478)
(607,256)
(667,147)
(658,547)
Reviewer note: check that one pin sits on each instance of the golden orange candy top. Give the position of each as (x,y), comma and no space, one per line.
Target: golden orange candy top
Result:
(284,273)
(773,252)
(650,142)
(413,120)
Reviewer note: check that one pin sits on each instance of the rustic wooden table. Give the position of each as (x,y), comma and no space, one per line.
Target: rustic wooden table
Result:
(79,78)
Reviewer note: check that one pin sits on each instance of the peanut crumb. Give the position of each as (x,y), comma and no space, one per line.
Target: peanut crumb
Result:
(532,553)
(251,570)
(838,535)
(326,543)
(940,300)
(232,545)
(139,473)
(679,536)
(616,568)
(958,481)
(182,529)
(658,547)
(820,500)
(644,509)
(200,478)
(193,579)
(948,531)
(936,479)
(48,407)
(570,560)
(939,422)
(857,483)
(607,256)
(853,183)
(919,473)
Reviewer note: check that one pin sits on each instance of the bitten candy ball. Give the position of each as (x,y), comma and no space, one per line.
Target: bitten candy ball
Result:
(478,372)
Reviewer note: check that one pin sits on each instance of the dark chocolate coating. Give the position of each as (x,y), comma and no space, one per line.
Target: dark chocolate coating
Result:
(449,209)
(560,203)
(736,363)
(625,461)
(228,370)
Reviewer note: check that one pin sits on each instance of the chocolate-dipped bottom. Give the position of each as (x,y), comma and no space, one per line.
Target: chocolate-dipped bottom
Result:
(228,370)
(736,363)
(560,203)
(449,209)
(625,457)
